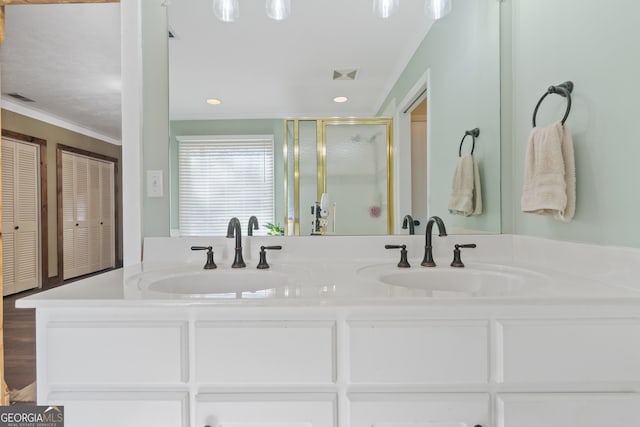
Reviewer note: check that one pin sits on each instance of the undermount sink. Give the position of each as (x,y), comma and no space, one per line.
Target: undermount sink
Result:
(485,281)
(215,283)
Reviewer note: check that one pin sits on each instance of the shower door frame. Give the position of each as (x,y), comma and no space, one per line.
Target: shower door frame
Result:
(321,156)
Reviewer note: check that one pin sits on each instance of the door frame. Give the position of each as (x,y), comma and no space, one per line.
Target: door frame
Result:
(44,222)
(73,150)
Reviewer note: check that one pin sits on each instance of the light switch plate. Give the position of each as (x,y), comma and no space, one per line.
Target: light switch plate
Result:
(154,183)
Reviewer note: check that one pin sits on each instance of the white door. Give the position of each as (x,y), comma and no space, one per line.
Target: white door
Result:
(20,216)
(88,215)
(93,222)
(75,215)
(107,216)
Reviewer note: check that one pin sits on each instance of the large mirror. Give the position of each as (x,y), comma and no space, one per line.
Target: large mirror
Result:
(435,80)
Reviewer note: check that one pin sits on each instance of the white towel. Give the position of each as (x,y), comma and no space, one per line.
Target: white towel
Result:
(550,173)
(466,196)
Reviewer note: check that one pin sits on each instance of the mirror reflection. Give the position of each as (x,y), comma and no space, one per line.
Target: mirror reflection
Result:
(434,80)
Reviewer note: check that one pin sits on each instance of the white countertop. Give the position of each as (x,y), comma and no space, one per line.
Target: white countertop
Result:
(322,272)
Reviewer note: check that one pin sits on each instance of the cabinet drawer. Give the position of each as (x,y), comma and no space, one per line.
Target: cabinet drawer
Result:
(575,350)
(425,352)
(116,352)
(272,352)
(569,410)
(419,410)
(266,410)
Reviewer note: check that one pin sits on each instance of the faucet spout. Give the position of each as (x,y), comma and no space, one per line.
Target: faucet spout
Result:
(408,219)
(234,229)
(428,261)
(253,225)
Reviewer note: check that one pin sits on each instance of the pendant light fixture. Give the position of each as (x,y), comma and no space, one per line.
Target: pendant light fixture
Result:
(226,10)
(385,8)
(436,9)
(278,9)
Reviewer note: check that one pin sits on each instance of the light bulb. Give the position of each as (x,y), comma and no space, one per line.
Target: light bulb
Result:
(385,8)
(278,9)
(436,9)
(226,10)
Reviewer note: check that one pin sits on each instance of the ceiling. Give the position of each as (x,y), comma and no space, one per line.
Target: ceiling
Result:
(261,68)
(66,57)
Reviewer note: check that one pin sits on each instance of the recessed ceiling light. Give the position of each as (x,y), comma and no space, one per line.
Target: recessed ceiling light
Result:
(340,99)
(214,101)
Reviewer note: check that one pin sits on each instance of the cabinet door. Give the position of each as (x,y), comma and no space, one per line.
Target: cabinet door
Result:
(266,410)
(569,410)
(419,410)
(122,409)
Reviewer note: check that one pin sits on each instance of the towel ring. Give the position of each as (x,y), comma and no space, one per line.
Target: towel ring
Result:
(474,134)
(564,90)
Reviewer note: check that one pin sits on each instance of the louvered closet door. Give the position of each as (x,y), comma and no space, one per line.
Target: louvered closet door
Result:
(75,211)
(88,215)
(21,259)
(93,223)
(107,215)
(68,214)
(8,217)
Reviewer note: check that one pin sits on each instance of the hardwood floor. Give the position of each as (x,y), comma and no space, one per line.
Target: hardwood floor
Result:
(19,342)
(20,337)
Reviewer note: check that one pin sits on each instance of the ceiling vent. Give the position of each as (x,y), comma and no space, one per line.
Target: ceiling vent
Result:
(345,74)
(20,97)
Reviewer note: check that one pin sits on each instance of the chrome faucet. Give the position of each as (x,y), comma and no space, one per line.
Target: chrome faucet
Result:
(234,228)
(428,249)
(408,219)
(253,225)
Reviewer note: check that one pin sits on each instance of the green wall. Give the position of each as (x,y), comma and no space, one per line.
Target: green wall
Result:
(155,133)
(462,54)
(595,45)
(542,42)
(273,127)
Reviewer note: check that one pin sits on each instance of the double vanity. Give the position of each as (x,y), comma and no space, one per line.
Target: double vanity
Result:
(530,332)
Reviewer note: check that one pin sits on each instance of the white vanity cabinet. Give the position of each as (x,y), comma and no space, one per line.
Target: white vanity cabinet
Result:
(453,365)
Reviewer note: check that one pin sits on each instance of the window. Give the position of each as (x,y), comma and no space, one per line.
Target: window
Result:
(220,177)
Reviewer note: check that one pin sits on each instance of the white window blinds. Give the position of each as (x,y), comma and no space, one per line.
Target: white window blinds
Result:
(220,177)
